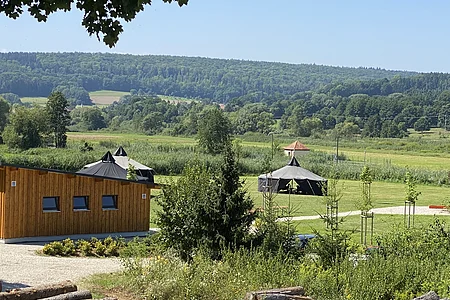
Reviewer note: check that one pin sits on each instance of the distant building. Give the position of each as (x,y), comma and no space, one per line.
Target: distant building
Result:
(296,149)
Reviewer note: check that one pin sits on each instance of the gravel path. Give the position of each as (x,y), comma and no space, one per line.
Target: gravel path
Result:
(396,210)
(20,266)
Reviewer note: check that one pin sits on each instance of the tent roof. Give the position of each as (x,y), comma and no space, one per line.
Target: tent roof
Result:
(120,157)
(293,171)
(107,167)
(120,152)
(296,146)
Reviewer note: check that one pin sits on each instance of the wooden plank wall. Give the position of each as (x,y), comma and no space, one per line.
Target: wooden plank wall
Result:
(2,196)
(24,216)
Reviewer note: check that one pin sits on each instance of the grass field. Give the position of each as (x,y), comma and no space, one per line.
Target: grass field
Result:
(104,97)
(384,194)
(438,161)
(34,100)
(433,161)
(351,224)
(129,137)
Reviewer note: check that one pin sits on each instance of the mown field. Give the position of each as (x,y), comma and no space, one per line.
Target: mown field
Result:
(105,97)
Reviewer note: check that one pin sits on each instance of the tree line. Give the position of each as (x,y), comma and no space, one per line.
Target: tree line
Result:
(217,80)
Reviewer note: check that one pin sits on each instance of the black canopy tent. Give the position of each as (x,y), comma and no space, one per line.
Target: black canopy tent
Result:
(121,160)
(308,183)
(108,167)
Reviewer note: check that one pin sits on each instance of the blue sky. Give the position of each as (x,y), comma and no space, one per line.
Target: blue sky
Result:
(391,34)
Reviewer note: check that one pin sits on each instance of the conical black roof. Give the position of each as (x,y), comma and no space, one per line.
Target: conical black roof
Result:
(293,162)
(108,158)
(120,152)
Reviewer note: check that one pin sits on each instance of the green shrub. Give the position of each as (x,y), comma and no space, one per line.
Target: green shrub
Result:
(69,247)
(99,248)
(84,247)
(53,248)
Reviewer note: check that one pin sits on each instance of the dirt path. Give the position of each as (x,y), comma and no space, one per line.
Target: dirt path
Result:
(20,266)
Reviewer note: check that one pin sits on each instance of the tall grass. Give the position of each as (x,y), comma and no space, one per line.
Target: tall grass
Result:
(170,159)
(407,263)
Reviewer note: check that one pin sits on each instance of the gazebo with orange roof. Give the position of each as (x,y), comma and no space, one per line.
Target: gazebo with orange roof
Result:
(296,149)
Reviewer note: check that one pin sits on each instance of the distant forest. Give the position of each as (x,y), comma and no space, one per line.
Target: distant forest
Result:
(218,80)
(263,97)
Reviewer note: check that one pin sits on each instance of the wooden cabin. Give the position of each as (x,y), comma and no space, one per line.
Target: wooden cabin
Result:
(50,204)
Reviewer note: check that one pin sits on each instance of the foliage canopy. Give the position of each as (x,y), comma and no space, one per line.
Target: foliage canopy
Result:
(100,16)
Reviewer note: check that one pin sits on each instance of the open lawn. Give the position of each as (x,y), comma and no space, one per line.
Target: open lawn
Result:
(106,97)
(384,194)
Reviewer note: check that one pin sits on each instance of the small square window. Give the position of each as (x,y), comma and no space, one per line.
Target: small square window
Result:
(50,204)
(109,202)
(80,203)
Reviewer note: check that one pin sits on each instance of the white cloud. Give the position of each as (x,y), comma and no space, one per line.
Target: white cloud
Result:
(3,50)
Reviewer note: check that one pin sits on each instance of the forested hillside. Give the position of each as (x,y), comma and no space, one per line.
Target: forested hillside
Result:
(219,80)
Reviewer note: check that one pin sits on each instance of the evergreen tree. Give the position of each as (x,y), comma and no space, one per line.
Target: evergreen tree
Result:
(235,204)
(59,118)
(205,210)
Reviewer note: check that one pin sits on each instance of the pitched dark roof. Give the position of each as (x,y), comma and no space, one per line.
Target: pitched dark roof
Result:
(120,152)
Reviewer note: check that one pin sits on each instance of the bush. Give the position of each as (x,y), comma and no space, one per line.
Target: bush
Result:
(84,247)
(106,248)
(53,248)
(69,247)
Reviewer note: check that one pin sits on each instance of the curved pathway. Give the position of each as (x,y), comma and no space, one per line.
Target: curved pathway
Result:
(21,266)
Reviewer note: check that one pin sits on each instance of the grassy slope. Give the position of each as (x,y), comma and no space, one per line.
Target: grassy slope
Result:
(34,100)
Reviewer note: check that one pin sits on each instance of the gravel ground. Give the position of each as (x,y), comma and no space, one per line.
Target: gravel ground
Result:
(20,266)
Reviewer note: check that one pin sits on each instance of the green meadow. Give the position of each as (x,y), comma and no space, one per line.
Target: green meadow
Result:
(34,100)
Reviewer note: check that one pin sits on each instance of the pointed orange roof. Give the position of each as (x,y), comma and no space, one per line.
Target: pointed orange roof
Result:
(297,146)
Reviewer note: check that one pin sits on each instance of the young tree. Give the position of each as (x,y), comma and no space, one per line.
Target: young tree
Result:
(410,199)
(365,204)
(59,118)
(204,210)
(214,131)
(235,204)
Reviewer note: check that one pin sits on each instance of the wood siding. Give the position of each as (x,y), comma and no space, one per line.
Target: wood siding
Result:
(2,196)
(23,214)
